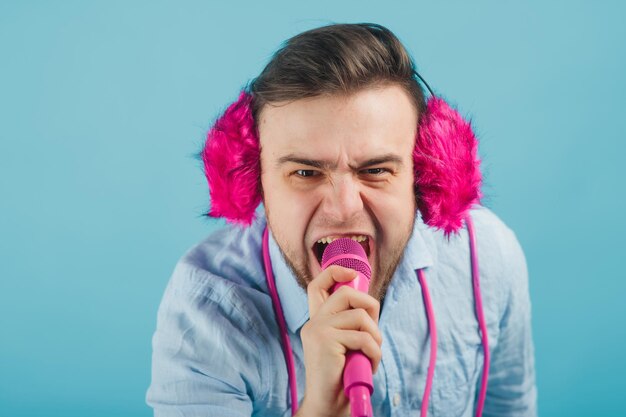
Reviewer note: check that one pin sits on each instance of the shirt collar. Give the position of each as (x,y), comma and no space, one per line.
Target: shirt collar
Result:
(417,254)
(293,298)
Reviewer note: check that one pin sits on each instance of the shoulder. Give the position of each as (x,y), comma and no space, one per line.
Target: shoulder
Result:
(222,278)
(496,244)
(498,240)
(501,260)
(215,310)
(229,258)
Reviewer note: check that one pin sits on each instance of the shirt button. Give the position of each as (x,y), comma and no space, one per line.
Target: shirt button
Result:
(396,399)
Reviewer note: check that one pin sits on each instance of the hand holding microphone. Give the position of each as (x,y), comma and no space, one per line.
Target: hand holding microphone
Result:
(342,333)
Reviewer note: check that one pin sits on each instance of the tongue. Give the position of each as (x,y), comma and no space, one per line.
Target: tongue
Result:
(365,247)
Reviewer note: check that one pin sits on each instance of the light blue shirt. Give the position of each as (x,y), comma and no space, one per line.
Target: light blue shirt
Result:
(217,350)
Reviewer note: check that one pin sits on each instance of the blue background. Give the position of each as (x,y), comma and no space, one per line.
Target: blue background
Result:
(102,106)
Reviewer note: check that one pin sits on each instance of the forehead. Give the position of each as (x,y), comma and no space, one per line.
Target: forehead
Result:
(373,121)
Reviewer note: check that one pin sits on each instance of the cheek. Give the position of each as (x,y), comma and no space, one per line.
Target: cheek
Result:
(395,209)
(289,212)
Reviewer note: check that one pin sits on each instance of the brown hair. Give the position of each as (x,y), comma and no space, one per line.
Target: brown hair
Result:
(336,59)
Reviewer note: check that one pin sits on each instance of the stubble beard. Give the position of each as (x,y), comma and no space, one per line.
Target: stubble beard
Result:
(382,276)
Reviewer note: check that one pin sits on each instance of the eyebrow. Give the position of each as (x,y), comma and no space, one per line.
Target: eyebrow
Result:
(304,161)
(321,164)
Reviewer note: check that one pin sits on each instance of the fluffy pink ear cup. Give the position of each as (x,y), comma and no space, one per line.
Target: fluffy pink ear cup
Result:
(231,157)
(445,157)
(446,167)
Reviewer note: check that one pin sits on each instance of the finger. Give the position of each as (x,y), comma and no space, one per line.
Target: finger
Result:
(356,319)
(346,298)
(319,289)
(355,340)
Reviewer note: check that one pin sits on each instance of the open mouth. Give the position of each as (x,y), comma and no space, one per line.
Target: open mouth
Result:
(320,245)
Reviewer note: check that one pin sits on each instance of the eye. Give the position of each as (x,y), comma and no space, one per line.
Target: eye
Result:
(375,171)
(304,173)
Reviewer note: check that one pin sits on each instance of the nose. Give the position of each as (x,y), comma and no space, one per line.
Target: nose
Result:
(343,200)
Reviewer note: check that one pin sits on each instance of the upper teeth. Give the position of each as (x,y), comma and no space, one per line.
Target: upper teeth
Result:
(358,238)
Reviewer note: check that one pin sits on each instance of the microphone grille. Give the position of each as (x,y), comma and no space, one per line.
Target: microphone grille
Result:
(345,246)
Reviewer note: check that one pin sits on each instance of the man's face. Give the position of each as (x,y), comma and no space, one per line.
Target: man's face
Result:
(340,166)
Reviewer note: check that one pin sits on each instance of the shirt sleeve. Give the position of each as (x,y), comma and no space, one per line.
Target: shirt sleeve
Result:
(511,387)
(205,361)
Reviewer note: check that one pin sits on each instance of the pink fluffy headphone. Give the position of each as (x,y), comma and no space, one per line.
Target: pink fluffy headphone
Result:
(445,162)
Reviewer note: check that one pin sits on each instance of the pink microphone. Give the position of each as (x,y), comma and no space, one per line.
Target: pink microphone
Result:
(357,373)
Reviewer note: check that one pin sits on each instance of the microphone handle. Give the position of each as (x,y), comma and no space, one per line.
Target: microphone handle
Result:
(358,384)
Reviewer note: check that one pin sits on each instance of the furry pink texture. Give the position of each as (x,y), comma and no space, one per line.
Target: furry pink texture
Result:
(447,167)
(446,164)
(231,157)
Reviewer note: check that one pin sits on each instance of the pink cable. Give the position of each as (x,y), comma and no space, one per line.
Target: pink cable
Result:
(433,342)
(481,322)
(481,316)
(278,310)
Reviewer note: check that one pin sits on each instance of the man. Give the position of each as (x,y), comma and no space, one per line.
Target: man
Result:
(333,119)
